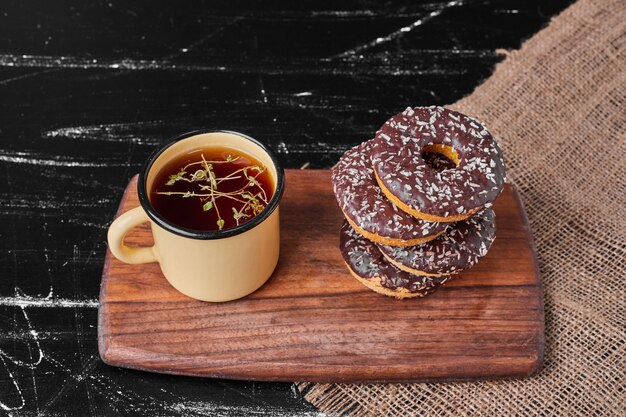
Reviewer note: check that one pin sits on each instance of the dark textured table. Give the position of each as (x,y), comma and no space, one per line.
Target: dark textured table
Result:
(89,88)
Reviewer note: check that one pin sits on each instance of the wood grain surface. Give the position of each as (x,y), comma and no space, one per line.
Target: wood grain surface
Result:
(312,321)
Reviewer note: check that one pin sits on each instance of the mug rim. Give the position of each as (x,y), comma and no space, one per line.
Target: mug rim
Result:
(142,192)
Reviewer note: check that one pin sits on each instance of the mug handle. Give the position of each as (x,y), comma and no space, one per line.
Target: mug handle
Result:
(117,232)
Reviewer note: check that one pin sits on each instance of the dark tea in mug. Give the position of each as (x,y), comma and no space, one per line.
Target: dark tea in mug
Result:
(211,189)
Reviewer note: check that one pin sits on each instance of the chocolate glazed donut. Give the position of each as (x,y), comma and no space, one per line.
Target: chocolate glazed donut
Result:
(368,210)
(369,266)
(463,244)
(431,194)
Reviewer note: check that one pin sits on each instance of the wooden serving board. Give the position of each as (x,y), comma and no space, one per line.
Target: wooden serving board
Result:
(312,321)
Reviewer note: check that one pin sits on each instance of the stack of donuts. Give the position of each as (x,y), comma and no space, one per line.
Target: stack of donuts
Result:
(417,200)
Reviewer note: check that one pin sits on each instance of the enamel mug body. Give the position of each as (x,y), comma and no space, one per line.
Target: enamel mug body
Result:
(206,265)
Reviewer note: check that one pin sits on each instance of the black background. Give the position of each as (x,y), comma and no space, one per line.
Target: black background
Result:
(88,89)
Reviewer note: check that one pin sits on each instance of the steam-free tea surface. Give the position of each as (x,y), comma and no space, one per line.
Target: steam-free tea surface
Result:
(313,322)
(211,189)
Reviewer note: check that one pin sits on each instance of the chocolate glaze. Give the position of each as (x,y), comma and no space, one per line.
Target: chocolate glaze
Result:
(457,249)
(364,203)
(365,260)
(475,182)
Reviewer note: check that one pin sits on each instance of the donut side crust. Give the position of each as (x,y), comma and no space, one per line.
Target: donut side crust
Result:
(399,293)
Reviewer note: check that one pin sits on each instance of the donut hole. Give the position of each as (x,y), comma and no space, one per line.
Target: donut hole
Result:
(440,157)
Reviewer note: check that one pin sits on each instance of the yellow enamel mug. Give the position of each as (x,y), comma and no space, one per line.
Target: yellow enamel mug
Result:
(206,265)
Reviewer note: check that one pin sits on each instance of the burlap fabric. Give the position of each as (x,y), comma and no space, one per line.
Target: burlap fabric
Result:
(557,107)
